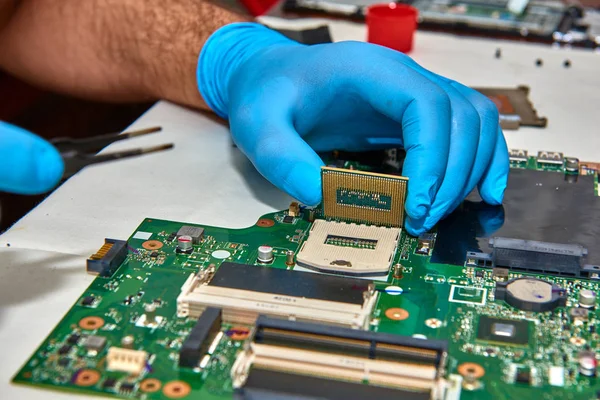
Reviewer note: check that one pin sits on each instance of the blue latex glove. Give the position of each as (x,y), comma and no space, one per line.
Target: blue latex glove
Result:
(28,163)
(285,101)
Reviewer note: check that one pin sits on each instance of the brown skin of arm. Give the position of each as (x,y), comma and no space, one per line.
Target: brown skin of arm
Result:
(110,50)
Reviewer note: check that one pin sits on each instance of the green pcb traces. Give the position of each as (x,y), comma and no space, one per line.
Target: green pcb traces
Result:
(522,354)
(151,276)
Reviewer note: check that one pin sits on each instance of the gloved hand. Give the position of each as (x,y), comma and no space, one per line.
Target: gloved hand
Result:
(28,163)
(285,101)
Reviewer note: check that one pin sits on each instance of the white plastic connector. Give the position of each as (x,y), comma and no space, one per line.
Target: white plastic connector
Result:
(126,360)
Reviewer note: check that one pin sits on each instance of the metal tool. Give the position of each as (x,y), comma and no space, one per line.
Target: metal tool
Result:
(79,153)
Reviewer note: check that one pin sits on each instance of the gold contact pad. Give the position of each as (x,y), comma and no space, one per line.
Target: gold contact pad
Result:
(102,252)
(363,196)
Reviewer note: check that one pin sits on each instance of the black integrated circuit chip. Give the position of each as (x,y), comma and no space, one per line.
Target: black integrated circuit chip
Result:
(64,349)
(73,339)
(288,219)
(501,330)
(109,383)
(88,301)
(523,376)
(127,387)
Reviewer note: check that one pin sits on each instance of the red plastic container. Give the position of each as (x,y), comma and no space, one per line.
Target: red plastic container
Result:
(392,25)
(258,7)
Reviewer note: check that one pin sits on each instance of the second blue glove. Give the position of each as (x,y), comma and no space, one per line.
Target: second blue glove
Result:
(28,163)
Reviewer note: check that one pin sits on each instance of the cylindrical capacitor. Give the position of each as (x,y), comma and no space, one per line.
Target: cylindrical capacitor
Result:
(398,271)
(311,215)
(587,298)
(572,164)
(289,257)
(150,312)
(587,363)
(265,254)
(127,342)
(184,244)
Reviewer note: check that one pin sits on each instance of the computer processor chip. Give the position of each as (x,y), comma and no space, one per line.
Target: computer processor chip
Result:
(363,197)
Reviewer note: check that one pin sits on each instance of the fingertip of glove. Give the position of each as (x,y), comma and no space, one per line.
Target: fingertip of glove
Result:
(415,226)
(496,199)
(420,197)
(495,195)
(304,184)
(28,163)
(417,212)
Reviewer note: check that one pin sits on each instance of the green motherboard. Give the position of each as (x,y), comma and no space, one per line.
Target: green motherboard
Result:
(461,325)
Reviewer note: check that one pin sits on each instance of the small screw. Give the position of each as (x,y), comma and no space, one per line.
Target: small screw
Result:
(498,53)
(567,63)
(539,62)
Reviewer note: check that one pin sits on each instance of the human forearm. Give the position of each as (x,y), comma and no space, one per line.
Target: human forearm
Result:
(114,50)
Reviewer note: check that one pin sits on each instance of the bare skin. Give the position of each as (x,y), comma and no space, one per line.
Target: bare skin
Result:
(111,50)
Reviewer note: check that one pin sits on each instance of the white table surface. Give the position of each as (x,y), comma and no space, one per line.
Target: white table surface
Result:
(205,180)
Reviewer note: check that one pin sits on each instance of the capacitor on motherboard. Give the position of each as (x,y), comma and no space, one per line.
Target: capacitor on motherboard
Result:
(265,254)
(587,298)
(311,215)
(587,363)
(289,257)
(398,269)
(572,164)
(184,244)
(150,312)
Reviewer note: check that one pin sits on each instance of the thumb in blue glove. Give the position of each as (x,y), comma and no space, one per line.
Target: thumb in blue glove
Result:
(287,101)
(28,163)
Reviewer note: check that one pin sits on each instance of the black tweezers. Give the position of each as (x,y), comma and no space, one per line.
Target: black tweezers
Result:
(79,153)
